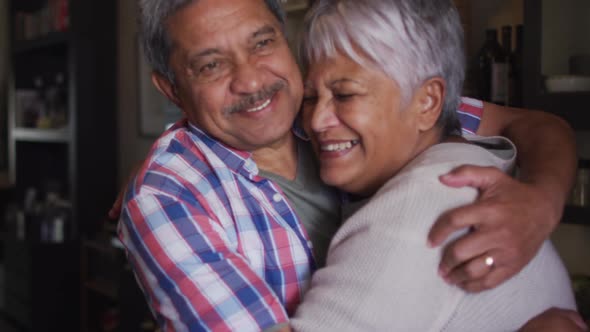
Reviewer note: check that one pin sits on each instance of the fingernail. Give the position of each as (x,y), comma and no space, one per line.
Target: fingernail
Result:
(580,322)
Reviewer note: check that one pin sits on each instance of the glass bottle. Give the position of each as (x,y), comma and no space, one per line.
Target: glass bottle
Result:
(507,48)
(492,70)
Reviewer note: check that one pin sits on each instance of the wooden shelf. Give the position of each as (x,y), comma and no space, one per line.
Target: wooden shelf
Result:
(98,245)
(50,40)
(576,215)
(42,135)
(102,246)
(5,181)
(103,287)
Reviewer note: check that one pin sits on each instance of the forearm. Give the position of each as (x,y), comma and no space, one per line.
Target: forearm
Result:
(547,156)
(546,150)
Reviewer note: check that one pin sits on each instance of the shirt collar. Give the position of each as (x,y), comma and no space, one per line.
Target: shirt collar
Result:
(239,161)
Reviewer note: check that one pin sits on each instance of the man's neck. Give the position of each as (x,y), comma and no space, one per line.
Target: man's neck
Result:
(279,158)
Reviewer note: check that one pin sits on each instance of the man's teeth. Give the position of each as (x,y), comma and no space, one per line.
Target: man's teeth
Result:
(256,109)
(339,146)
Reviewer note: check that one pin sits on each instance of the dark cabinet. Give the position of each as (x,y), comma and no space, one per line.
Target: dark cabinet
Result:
(62,104)
(62,139)
(38,279)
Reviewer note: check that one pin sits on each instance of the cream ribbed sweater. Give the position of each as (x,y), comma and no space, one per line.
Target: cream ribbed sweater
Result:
(381,276)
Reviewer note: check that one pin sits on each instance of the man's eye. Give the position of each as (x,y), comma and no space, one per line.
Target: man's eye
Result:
(208,67)
(264,43)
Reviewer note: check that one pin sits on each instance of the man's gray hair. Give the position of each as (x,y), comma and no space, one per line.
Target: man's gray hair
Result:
(155,40)
(408,40)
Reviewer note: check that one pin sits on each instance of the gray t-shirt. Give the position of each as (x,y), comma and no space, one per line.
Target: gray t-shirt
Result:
(317,206)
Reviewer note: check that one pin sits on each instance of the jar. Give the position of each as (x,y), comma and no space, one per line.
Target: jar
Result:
(581,192)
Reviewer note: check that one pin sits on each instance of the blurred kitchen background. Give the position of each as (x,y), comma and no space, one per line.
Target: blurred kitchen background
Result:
(77,113)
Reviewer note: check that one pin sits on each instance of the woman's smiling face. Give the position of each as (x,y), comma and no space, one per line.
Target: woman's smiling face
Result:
(361,129)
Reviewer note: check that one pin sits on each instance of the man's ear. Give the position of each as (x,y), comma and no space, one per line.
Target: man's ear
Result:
(430,101)
(166,88)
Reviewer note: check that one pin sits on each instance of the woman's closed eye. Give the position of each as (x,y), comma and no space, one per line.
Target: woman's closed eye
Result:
(343,96)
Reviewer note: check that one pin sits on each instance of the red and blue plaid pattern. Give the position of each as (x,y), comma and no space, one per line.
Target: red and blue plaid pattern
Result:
(469,113)
(214,246)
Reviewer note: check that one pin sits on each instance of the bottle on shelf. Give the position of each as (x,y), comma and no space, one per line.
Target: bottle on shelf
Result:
(43,120)
(516,64)
(57,102)
(31,104)
(507,48)
(492,70)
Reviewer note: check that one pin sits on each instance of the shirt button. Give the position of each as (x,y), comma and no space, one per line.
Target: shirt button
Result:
(277,198)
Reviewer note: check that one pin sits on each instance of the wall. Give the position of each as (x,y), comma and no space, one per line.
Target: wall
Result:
(565,28)
(132,148)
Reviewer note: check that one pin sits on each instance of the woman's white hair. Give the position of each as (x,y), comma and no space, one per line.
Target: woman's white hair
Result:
(409,40)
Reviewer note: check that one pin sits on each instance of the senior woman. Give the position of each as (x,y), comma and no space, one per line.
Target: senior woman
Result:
(386,132)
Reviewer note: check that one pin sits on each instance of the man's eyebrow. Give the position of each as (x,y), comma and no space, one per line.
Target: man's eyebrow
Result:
(265,30)
(205,52)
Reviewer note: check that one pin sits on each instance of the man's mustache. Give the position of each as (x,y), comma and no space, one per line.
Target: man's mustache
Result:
(251,100)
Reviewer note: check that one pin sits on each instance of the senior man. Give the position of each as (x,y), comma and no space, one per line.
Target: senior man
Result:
(224,221)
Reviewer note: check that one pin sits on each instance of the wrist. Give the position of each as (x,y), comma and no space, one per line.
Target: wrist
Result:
(552,197)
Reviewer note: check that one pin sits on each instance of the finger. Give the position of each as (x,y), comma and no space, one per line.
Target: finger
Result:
(495,277)
(475,215)
(474,269)
(466,248)
(473,176)
(115,210)
(578,320)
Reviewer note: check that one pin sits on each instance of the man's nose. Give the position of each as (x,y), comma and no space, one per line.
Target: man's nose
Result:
(247,79)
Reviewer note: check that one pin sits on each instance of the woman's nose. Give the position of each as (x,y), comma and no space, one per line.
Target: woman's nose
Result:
(323,116)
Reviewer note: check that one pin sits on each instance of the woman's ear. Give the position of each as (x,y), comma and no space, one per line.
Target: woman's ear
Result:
(166,88)
(430,101)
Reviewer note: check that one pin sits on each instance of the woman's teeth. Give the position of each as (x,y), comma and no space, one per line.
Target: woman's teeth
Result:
(339,146)
(259,108)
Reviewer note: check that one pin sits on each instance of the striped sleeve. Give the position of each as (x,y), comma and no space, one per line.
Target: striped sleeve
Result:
(191,275)
(470,113)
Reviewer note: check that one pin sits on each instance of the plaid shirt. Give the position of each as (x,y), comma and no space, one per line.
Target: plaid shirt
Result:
(469,114)
(214,246)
